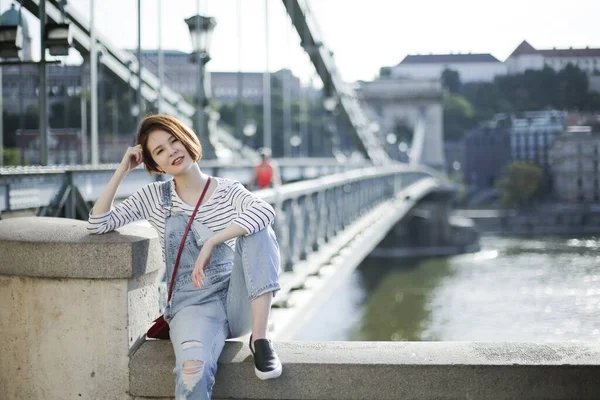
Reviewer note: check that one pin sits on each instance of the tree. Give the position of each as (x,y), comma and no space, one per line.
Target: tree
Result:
(521,184)
(487,99)
(451,80)
(567,89)
(11,156)
(573,87)
(385,72)
(544,89)
(458,117)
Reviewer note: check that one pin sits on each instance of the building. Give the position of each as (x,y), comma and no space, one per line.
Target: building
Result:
(532,134)
(486,154)
(20,84)
(224,86)
(65,146)
(470,67)
(525,137)
(181,75)
(574,160)
(582,118)
(484,67)
(525,57)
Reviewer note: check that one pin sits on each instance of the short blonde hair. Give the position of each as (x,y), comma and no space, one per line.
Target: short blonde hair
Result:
(173,126)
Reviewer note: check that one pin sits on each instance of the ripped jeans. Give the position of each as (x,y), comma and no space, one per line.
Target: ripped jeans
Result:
(198,331)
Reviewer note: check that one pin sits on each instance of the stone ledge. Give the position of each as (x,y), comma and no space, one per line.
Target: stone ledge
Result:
(389,370)
(63,248)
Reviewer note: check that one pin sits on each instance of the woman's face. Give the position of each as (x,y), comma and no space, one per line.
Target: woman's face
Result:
(169,154)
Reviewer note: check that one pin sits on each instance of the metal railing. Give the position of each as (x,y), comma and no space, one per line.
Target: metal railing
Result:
(324,199)
(311,213)
(72,187)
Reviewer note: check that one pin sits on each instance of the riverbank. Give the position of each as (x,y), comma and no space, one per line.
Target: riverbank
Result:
(546,220)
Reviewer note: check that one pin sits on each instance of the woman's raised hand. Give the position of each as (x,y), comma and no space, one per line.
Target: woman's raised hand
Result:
(132,158)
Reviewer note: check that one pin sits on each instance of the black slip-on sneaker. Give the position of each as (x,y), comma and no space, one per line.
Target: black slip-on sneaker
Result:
(266,362)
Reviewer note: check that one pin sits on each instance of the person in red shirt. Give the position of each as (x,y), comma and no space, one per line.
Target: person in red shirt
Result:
(266,174)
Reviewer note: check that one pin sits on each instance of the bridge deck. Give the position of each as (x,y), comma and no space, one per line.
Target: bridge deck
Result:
(315,278)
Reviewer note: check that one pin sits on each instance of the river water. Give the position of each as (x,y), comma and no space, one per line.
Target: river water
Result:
(514,289)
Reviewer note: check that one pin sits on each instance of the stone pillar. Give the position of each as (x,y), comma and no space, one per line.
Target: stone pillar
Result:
(428,139)
(426,226)
(429,230)
(73,307)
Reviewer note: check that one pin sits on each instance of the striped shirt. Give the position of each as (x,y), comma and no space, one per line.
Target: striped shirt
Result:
(230,203)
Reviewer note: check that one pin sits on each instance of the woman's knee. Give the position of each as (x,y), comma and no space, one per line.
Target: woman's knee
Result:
(260,239)
(196,365)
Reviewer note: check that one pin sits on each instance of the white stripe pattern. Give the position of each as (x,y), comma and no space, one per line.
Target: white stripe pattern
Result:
(230,203)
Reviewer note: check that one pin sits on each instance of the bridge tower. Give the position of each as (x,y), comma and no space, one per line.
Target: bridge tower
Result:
(414,103)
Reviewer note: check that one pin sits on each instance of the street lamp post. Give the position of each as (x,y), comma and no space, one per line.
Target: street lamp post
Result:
(43,99)
(201,29)
(93,87)
(140,98)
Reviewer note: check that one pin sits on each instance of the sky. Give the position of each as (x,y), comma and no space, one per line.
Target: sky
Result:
(364,35)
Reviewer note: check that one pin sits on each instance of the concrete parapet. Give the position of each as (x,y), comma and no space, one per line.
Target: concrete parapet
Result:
(62,248)
(389,370)
(73,307)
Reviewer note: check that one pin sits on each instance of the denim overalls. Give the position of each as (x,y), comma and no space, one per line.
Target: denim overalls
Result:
(200,319)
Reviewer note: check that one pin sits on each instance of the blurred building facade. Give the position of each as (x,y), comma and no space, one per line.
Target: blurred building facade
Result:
(525,137)
(181,74)
(20,91)
(65,146)
(20,84)
(486,153)
(484,67)
(575,160)
(532,135)
(525,57)
(470,67)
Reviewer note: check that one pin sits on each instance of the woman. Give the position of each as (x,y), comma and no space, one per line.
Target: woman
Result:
(229,267)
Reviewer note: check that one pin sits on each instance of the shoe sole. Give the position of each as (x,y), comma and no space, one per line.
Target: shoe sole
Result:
(276,373)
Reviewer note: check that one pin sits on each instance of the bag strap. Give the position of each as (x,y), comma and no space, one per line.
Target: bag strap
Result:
(187,229)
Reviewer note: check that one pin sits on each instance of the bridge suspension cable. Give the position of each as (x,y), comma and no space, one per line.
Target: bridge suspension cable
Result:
(322,58)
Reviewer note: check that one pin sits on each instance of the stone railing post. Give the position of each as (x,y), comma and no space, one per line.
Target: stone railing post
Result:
(73,307)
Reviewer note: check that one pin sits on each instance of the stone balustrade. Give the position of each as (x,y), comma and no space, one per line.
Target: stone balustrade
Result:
(389,370)
(76,306)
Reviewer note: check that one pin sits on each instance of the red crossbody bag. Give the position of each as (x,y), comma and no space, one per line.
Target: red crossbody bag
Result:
(160,327)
